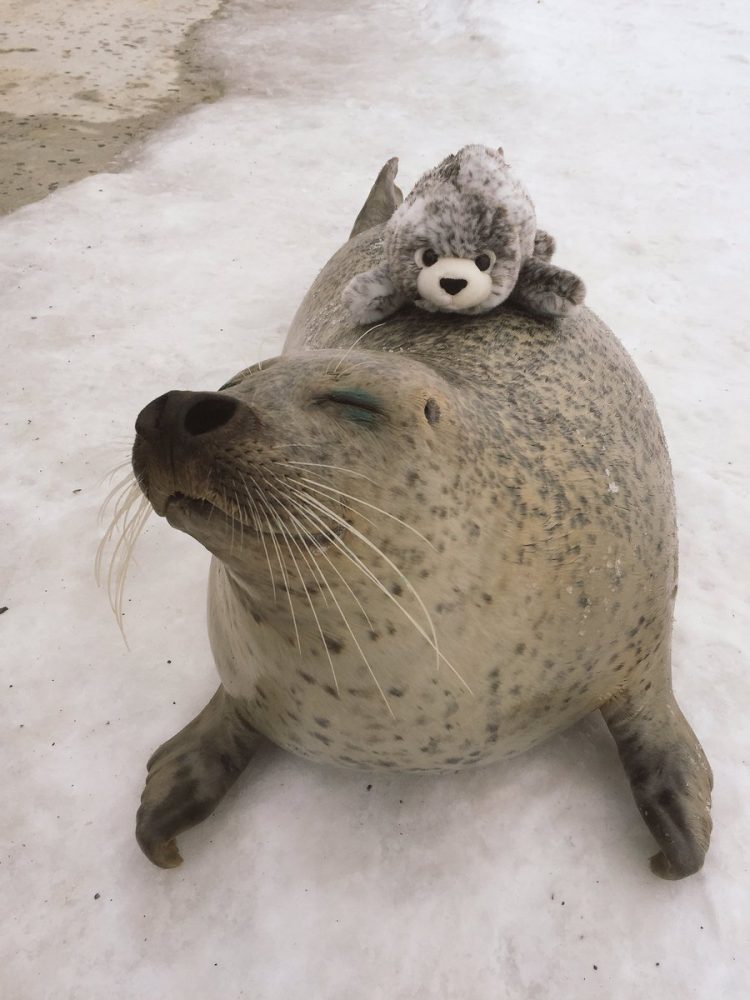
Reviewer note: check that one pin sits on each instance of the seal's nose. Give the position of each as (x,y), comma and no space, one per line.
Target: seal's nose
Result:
(187,414)
(453,285)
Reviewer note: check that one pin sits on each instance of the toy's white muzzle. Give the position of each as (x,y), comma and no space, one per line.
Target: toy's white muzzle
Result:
(454,283)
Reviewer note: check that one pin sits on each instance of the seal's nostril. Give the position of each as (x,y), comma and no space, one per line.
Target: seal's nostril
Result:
(208,414)
(453,285)
(148,422)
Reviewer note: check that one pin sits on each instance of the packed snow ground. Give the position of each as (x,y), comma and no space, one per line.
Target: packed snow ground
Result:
(528,880)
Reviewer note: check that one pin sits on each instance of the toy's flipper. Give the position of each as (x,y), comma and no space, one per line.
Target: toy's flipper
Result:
(546,290)
(382,201)
(544,245)
(371,296)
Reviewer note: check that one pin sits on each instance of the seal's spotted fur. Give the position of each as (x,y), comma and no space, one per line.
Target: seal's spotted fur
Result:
(437,543)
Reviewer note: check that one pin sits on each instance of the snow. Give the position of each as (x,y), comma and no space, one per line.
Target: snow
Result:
(524,880)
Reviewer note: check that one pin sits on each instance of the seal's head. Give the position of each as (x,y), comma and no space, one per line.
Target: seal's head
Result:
(299,452)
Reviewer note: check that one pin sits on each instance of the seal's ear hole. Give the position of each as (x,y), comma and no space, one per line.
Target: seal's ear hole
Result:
(431,411)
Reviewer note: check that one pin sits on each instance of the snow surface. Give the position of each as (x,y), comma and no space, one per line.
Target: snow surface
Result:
(529,880)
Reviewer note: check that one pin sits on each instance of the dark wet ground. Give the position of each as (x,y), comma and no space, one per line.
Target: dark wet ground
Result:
(40,153)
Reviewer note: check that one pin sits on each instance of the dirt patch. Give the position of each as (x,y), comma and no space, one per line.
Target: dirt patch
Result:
(42,152)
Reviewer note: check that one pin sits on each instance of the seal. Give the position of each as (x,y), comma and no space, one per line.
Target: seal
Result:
(436,542)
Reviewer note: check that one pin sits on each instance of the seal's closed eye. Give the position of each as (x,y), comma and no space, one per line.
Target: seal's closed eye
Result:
(359,405)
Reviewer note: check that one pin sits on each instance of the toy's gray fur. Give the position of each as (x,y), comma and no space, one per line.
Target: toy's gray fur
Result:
(470,204)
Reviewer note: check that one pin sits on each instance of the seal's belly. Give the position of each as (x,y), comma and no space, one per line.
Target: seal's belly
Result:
(400,710)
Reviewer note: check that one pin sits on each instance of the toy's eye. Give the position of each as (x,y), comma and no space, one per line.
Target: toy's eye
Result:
(485,261)
(426,258)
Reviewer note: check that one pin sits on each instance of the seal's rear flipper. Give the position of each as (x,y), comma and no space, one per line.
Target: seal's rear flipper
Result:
(669,775)
(382,201)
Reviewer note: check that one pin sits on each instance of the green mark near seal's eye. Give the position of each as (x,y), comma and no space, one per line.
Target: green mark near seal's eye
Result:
(358,405)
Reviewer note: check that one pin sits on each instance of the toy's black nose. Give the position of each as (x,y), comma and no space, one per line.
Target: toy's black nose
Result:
(186,414)
(453,285)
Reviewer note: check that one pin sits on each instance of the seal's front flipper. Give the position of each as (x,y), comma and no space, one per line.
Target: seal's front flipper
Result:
(189,775)
(371,296)
(547,290)
(669,775)
(382,201)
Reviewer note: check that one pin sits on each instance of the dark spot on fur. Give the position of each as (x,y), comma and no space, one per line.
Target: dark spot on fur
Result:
(396,692)
(306,677)
(323,723)
(520,649)
(396,589)
(666,798)
(334,645)
(639,776)
(228,764)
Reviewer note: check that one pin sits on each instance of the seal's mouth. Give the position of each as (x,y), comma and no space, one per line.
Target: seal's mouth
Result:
(180,507)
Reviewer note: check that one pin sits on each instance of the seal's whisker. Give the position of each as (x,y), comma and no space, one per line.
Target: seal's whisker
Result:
(310,600)
(366,503)
(123,488)
(129,522)
(256,520)
(305,530)
(227,508)
(359,648)
(240,519)
(353,368)
(326,510)
(358,562)
(280,498)
(294,444)
(351,347)
(361,652)
(337,468)
(137,525)
(267,508)
(119,521)
(107,477)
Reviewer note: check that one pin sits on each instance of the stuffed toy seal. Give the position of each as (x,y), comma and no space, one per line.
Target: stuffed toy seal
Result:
(463,241)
